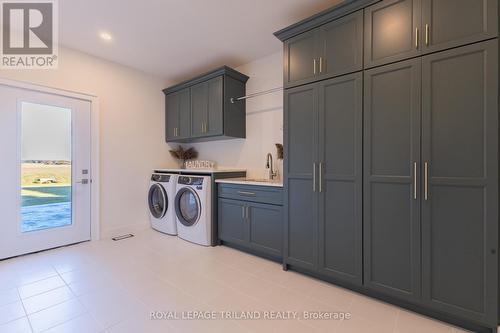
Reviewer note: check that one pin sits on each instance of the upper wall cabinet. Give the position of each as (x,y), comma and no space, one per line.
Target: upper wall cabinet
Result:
(400,29)
(330,50)
(392,31)
(448,24)
(201,109)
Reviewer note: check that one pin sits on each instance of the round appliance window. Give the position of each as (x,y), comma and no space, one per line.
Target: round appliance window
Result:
(187,207)
(158,202)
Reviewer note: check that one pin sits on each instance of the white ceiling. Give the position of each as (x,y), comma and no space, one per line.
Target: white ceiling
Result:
(176,39)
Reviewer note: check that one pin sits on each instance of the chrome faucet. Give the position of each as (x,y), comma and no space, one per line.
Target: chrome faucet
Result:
(269,165)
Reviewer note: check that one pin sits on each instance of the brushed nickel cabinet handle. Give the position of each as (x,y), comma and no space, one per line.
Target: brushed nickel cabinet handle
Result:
(314,177)
(320,65)
(415,180)
(426,181)
(416,38)
(243,212)
(320,177)
(427,40)
(314,66)
(248,212)
(246,193)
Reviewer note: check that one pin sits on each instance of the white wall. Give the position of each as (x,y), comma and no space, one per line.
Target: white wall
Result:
(131,130)
(264,121)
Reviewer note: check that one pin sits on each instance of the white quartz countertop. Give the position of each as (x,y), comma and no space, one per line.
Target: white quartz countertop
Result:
(246,181)
(199,171)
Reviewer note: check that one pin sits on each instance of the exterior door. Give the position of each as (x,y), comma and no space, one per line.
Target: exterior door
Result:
(46,175)
(392,101)
(392,31)
(447,24)
(301,171)
(340,182)
(460,206)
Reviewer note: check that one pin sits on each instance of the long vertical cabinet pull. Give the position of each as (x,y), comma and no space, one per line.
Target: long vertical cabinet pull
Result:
(427,39)
(314,177)
(320,65)
(243,212)
(426,181)
(416,37)
(415,180)
(314,66)
(320,177)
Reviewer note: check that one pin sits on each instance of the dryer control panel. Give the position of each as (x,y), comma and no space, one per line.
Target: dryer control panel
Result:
(160,178)
(189,180)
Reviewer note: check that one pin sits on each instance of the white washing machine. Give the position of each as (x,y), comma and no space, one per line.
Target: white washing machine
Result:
(193,208)
(161,203)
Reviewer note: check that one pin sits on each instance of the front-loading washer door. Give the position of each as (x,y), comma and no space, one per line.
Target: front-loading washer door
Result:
(187,206)
(158,201)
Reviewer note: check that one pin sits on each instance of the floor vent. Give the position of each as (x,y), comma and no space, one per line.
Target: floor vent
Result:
(118,238)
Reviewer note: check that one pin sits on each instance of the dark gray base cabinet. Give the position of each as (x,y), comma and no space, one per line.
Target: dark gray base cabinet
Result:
(249,221)
(201,110)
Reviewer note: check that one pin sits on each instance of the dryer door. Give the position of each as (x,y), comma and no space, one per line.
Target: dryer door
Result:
(158,202)
(187,206)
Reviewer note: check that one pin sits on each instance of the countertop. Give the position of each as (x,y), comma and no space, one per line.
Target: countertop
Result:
(244,181)
(198,171)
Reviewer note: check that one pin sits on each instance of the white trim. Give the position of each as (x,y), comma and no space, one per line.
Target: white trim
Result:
(95,228)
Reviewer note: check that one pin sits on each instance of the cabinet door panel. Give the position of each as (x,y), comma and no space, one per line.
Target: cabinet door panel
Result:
(341,46)
(460,145)
(458,22)
(184,130)
(391,209)
(300,155)
(171,116)
(390,31)
(340,217)
(300,52)
(214,121)
(266,228)
(231,221)
(199,108)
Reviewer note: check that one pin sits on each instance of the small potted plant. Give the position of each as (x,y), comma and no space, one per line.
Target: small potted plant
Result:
(184,155)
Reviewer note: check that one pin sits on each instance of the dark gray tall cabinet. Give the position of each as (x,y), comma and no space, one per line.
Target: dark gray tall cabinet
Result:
(391,166)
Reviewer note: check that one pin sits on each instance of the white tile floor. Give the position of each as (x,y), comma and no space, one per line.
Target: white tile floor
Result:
(112,287)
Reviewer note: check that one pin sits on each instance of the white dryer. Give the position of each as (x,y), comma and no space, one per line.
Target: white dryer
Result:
(193,208)
(161,203)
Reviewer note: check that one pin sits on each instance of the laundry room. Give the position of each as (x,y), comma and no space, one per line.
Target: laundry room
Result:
(325,166)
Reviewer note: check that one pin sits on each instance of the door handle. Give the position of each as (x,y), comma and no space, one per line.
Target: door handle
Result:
(426,181)
(427,39)
(83,181)
(415,180)
(416,37)
(314,66)
(320,177)
(320,65)
(314,177)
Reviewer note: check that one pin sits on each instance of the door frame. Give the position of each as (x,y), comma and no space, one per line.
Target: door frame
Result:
(95,222)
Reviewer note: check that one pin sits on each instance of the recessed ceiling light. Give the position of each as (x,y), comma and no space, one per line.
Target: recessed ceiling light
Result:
(105,36)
